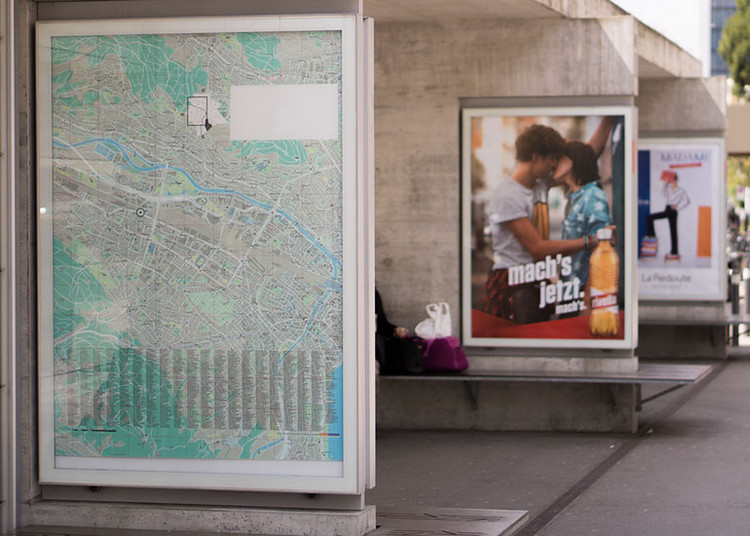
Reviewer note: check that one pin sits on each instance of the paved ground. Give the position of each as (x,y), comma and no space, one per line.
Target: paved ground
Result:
(691,476)
(686,473)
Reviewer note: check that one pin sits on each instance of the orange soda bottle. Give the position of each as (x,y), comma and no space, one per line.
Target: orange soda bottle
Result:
(603,274)
(540,219)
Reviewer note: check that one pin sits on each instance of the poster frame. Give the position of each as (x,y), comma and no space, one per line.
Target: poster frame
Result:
(718,221)
(627,342)
(348,476)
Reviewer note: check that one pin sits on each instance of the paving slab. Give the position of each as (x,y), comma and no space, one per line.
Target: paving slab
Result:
(426,521)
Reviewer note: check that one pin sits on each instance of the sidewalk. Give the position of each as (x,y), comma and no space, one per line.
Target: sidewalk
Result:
(687,473)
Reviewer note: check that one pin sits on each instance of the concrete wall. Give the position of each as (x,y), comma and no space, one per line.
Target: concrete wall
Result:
(436,10)
(421,72)
(507,406)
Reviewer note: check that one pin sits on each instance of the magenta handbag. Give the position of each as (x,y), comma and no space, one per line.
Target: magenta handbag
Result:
(444,354)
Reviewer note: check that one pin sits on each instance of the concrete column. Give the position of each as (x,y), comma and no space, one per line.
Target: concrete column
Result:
(8,495)
(25,235)
(682,108)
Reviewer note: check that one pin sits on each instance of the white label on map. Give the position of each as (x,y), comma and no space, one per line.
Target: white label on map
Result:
(284,112)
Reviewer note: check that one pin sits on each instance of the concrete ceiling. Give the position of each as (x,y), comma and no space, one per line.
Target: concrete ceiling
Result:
(657,56)
(435,10)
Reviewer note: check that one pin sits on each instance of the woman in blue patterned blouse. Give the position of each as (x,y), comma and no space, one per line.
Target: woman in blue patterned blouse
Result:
(587,210)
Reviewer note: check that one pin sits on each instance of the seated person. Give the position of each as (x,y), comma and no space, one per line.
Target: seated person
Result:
(395,352)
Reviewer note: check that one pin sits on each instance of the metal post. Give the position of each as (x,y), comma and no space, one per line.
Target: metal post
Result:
(734,298)
(735,278)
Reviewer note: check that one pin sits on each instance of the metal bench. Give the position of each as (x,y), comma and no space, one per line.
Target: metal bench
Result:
(678,375)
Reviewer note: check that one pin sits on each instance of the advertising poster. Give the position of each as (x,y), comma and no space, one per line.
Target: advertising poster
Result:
(198,218)
(680,219)
(545,212)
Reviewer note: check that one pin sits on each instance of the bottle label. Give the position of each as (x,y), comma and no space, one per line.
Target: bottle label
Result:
(603,301)
(604,314)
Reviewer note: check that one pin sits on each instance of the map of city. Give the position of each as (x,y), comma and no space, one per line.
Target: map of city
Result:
(197,268)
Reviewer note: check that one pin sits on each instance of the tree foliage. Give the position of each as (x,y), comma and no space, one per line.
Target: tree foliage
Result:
(734,46)
(738,174)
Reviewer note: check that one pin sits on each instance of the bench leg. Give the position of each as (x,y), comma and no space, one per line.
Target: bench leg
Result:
(640,400)
(472,391)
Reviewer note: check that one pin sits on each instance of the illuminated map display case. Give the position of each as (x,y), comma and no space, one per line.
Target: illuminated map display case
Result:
(201,292)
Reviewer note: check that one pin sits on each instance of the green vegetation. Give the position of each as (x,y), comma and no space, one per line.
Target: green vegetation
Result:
(148,64)
(734,46)
(738,174)
(260,50)
(290,152)
(76,290)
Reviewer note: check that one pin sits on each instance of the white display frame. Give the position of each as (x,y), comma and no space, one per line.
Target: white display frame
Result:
(336,477)
(627,342)
(718,224)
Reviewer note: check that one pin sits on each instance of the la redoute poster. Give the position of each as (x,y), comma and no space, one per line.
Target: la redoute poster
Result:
(680,218)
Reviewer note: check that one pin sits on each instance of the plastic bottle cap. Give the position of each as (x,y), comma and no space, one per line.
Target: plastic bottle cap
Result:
(604,234)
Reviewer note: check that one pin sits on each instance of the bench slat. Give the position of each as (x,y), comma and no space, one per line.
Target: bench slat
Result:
(646,373)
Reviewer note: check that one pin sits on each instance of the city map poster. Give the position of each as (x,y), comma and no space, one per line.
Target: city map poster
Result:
(545,233)
(680,219)
(198,233)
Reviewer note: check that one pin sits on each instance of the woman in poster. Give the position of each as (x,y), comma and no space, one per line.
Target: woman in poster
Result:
(587,209)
